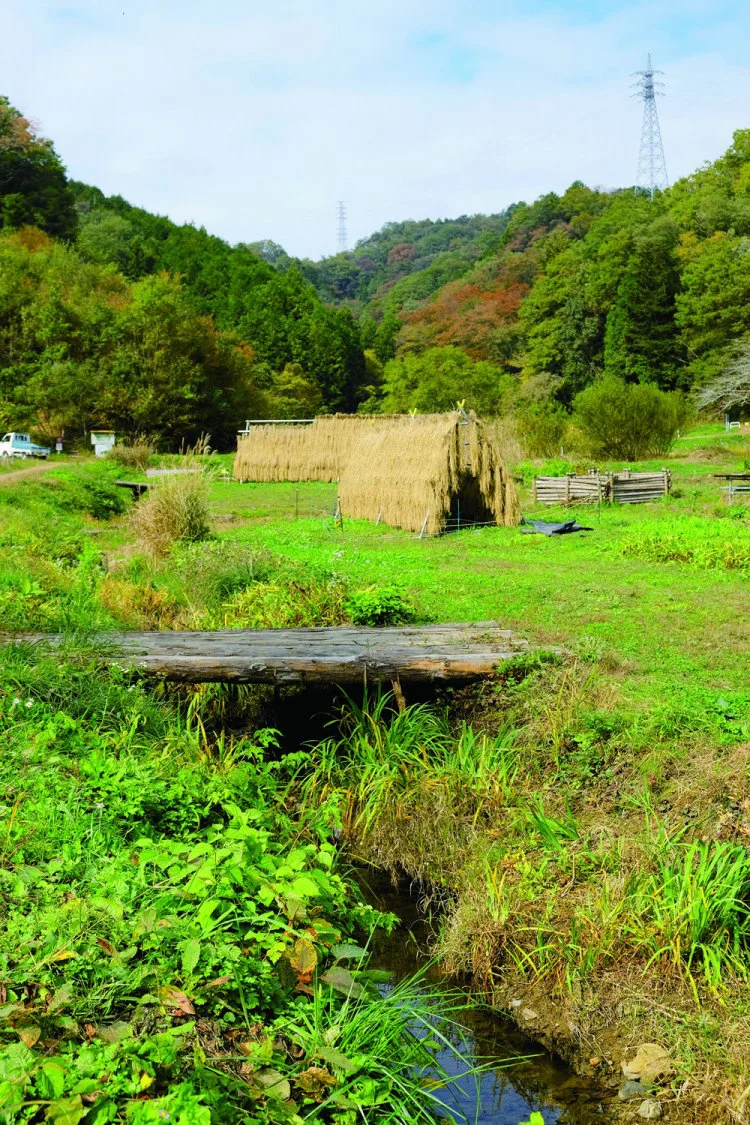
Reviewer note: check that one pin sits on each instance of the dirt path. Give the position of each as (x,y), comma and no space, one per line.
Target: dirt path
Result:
(32,471)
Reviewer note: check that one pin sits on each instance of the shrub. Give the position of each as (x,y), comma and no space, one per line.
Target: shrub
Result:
(379,605)
(176,510)
(541,428)
(629,421)
(136,455)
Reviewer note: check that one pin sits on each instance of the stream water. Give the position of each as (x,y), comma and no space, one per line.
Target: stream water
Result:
(525,1077)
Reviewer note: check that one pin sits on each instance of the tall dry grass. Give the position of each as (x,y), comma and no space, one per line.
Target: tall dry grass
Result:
(136,454)
(175,510)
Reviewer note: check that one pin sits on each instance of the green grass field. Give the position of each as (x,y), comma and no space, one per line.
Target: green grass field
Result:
(581,818)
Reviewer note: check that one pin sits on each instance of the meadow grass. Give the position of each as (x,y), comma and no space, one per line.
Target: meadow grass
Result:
(580,820)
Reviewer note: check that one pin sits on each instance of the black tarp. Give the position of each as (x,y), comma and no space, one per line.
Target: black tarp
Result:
(532,527)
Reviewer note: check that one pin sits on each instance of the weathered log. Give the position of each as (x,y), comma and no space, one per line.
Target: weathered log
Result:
(324,655)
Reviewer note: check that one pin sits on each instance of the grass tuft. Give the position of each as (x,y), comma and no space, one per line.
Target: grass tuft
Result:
(176,510)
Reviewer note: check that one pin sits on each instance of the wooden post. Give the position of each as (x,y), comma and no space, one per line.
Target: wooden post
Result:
(380,516)
(424,525)
(398,694)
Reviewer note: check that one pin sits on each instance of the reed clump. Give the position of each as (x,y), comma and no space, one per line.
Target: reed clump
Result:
(136,454)
(175,510)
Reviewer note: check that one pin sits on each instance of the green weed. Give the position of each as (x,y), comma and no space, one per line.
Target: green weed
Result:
(691,909)
(172,941)
(384,605)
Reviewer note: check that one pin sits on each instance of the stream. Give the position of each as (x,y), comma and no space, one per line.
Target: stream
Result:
(504,1094)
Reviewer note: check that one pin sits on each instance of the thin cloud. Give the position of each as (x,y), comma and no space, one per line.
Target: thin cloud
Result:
(252,120)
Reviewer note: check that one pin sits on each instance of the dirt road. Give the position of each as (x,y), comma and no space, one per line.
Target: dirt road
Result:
(33,470)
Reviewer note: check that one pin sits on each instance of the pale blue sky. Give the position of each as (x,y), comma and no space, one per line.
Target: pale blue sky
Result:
(253,118)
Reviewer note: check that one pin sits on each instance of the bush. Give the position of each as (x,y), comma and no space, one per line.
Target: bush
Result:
(629,421)
(541,428)
(136,455)
(176,510)
(383,605)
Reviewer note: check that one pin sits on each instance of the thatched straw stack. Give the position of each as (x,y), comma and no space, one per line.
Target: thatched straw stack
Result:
(445,467)
(437,468)
(315,452)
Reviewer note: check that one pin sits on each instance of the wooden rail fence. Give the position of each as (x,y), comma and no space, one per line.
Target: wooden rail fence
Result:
(624,487)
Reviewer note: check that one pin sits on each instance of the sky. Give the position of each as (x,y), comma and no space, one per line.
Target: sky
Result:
(253,119)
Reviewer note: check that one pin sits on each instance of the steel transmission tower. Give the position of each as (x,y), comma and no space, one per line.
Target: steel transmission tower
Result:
(341,228)
(652,167)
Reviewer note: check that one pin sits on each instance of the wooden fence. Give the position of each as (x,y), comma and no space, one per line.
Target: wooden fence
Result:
(624,487)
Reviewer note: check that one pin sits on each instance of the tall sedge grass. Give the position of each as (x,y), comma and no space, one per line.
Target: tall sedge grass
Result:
(692,908)
(383,1051)
(389,763)
(136,454)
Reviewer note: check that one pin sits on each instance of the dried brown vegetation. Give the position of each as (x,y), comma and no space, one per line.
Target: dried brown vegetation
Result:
(175,510)
(430,471)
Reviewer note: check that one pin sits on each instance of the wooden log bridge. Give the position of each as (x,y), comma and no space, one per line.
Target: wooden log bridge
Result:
(340,654)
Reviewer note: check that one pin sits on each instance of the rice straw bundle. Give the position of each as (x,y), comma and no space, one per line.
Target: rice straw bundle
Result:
(315,452)
(444,468)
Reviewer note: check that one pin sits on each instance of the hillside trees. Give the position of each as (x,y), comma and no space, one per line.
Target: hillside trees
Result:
(440,378)
(607,302)
(640,341)
(33,187)
(274,311)
(173,372)
(713,309)
(80,346)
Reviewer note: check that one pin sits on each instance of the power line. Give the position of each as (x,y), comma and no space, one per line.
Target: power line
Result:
(652,167)
(341,241)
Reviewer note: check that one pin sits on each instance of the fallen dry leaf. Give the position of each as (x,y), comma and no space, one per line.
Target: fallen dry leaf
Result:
(173,998)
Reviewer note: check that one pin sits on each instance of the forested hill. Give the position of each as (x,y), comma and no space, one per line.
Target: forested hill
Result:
(393,270)
(254,290)
(408,261)
(584,285)
(110,315)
